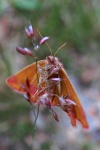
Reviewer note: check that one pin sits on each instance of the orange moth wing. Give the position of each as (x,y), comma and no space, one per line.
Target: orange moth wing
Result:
(20,77)
(67,88)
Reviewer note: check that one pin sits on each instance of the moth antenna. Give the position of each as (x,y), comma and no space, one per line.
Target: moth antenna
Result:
(60,48)
(45,42)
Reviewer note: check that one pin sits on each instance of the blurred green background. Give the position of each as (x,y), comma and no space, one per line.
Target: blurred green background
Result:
(76,22)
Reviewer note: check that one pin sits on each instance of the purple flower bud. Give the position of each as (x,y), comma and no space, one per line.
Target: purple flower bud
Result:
(66,102)
(28,51)
(70,102)
(21,50)
(62,101)
(24,51)
(55,116)
(43,40)
(56,79)
(29,31)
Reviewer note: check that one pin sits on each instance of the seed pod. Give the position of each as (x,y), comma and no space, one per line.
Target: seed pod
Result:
(24,51)
(43,40)
(28,51)
(29,31)
(21,50)
(70,102)
(55,116)
(56,79)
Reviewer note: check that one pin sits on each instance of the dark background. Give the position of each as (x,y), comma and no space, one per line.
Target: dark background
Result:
(76,22)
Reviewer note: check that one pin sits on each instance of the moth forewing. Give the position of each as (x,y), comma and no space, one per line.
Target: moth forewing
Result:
(68,89)
(21,76)
(29,72)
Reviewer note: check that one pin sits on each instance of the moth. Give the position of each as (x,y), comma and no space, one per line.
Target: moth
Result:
(46,82)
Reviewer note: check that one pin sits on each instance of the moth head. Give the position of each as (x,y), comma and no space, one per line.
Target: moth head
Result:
(52,60)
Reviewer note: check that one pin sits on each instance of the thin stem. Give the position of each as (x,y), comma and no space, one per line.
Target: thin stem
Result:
(34,125)
(33,110)
(37,113)
(37,70)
